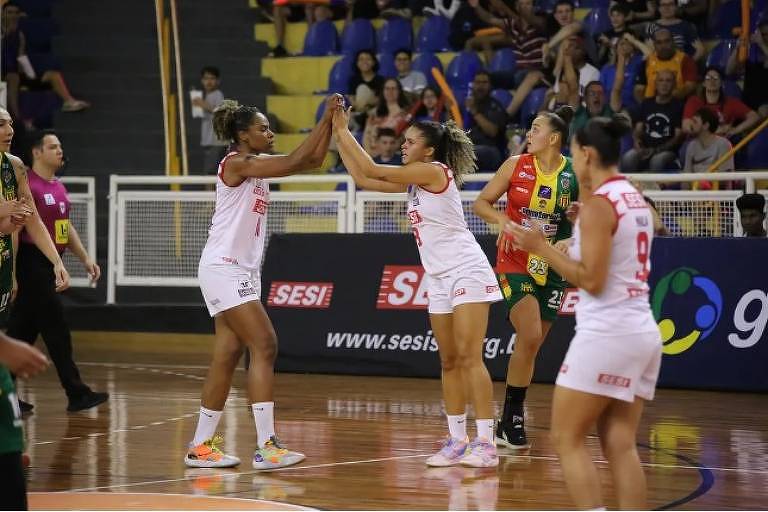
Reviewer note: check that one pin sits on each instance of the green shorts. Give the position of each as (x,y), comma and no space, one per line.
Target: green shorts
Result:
(516,286)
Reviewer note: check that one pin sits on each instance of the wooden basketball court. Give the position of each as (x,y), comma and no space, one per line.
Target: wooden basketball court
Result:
(366,439)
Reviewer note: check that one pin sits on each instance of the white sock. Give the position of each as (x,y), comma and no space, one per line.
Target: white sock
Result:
(264,417)
(206,425)
(457,425)
(485,429)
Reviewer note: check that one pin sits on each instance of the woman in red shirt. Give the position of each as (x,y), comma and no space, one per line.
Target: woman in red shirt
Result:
(735,117)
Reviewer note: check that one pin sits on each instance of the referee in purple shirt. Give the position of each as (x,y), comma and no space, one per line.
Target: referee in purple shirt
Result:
(38,308)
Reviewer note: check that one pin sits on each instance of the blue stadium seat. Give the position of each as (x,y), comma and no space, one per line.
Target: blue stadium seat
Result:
(597,21)
(503,96)
(433,35)
(503,60)
(462,69)
(396,33)
(358,35)
(502,68)
(338,80)
(387,67)
(727,16)
(718,56)
(321,39)
(757,151)
(425,62)
(532,105)
(320,110)
(38,32)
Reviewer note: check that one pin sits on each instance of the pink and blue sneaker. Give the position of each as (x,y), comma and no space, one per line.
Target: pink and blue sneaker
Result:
(481,453)
(450,453)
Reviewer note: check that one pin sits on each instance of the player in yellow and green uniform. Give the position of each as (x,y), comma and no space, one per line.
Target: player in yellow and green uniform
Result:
(540,187)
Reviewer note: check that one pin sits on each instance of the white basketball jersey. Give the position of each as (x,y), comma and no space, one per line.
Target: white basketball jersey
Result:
(442,236)
(623,305)
(239,224)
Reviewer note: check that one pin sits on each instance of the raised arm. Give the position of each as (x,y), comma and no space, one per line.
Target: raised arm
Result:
(308,155)
(360,164)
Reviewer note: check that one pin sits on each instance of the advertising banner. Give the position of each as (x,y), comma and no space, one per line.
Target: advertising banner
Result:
(356,304)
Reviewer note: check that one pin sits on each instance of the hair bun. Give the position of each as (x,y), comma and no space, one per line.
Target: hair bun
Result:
(618,125)
(566,113)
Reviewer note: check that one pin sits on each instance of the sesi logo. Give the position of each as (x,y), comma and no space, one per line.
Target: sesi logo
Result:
(568,304)
(290,294)
(402,287)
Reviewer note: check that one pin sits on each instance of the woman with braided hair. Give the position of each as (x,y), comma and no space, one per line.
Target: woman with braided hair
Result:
(461,283)
(230,280)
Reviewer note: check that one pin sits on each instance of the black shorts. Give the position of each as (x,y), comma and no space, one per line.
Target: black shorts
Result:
(13,488)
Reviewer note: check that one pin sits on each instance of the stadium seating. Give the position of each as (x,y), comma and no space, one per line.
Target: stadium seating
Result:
(321,39)
(433,35)
(396,33)
(358,35)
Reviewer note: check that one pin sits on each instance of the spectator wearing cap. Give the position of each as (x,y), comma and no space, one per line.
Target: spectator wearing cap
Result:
(413,81)
(752,213)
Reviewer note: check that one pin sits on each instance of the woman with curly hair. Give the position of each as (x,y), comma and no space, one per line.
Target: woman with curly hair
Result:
(461,283)
(230,280)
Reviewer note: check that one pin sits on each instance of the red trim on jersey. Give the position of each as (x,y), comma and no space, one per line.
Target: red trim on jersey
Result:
(221,170)
(619,177)
(613,207)
(447,177)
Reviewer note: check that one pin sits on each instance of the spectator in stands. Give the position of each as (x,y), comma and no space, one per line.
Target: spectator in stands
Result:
(594,104)
(413,81)
(464,24)
(752,213)
(431,106)
(572,73)
(706,147)
(561,26)
(38,308)
(487,124)
(391,110)
(666,57)
(628,60)
(694,11)
(283,12)
(524,33)
(734,116)
(683,33)
(607,41)
(640,11)
(657,134)
(364,85)
(213,148)
(365,9)
(18,70)
(755,70)
(387,147)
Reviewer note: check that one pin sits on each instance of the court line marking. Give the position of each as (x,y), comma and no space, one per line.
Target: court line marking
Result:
(194,496)
(156,367)
(370,461)
(245,473)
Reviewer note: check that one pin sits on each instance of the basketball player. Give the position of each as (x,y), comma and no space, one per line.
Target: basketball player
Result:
(16,210)
(461,281)
(613,361)
(539,185)
(229,275)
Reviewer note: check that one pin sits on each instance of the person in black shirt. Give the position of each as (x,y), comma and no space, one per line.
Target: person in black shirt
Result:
(488,121)
(658,130)
(755,70)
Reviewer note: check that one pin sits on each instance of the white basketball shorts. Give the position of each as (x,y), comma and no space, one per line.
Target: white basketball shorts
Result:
(463,285)
(619,367)
(227,286)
